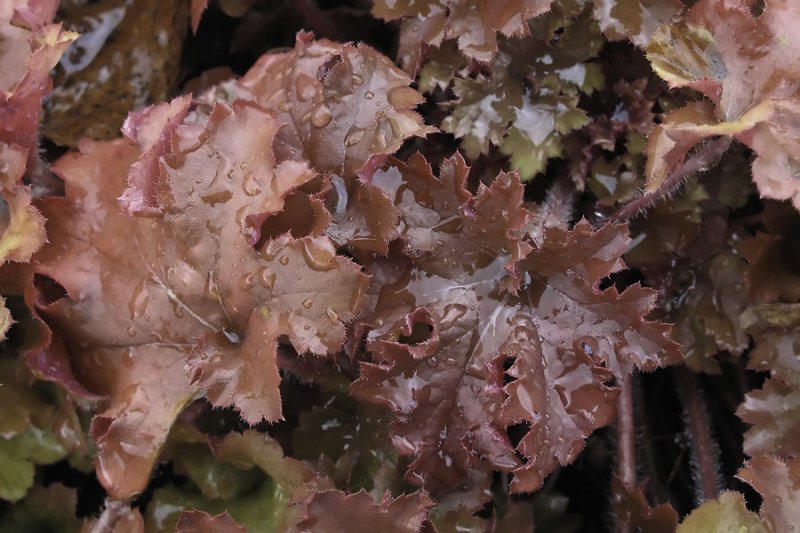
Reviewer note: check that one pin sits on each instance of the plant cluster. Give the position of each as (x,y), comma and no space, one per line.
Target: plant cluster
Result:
(403,266)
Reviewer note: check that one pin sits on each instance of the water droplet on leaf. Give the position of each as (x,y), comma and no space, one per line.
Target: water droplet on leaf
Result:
(332,315)
(321,116)
(305,87)
(267,278)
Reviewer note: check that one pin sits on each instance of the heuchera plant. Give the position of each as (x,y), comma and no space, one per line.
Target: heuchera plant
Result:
(400,266)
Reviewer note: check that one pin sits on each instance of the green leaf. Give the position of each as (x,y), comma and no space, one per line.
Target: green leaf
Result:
(537,130)
(725,515)
(19,455)
(43,510)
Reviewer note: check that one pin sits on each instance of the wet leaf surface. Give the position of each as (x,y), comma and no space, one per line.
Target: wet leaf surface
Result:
(528,121)
(196,292)
(444,326)
(280,300)
(474,24)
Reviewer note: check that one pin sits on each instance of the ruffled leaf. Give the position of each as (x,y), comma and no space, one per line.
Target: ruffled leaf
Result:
(187,287)
(474,24)
(26,58)
(469,295)
(746,66)
(774,414)
(636,20)
(529,121)
(344,108)
(778,482)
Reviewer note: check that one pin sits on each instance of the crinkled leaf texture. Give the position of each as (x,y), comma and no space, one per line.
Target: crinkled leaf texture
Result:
(344,109)
(26,57)
(778,482)
(528,102)
(341,105)
(466,294)
(164,307)
(474,23)
(773,410)
(636,20)
(748,69)
(262,489)
(29,48)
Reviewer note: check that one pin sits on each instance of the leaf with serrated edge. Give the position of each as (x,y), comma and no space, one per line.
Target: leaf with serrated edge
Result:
(474,23)
(487,297)
(778,482)
(747,67)
(344,108)
(728,513)
(22,228)
(187,286)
